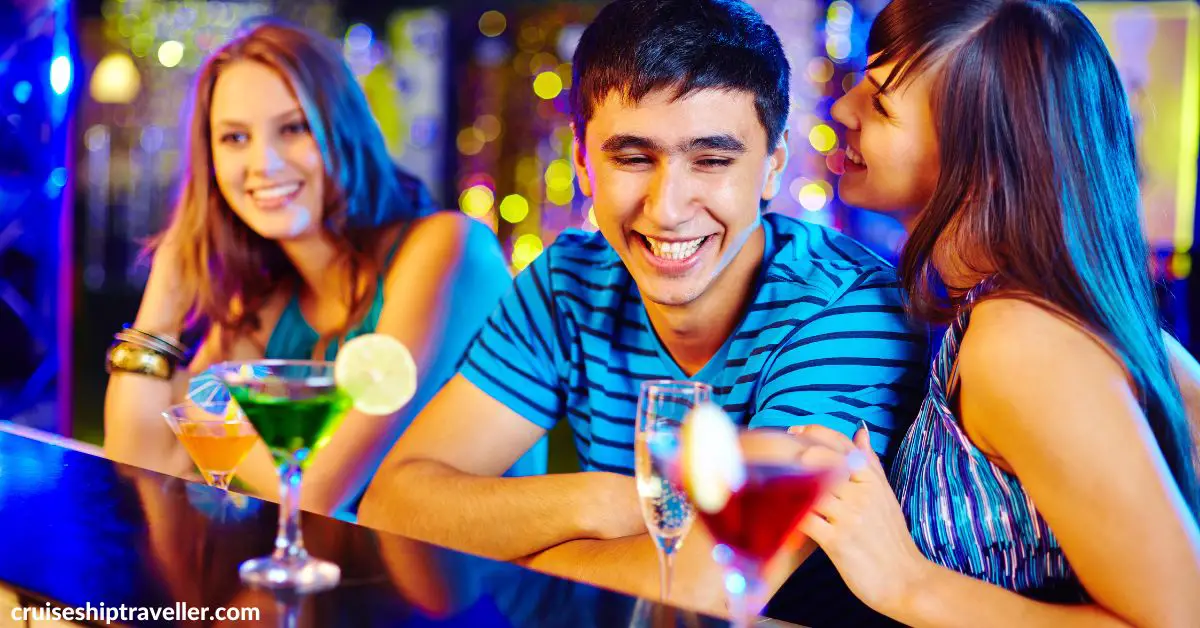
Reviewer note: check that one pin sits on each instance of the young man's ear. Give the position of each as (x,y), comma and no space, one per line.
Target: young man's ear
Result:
(776,163)
(578,154)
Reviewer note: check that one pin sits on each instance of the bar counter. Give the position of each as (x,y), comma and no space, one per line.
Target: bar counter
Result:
(77,530)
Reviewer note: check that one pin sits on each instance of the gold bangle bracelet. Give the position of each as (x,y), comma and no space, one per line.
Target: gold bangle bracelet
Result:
(126,357)
(150,343)
(170,342)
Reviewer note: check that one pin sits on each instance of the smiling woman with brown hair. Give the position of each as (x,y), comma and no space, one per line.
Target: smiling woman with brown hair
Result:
(294,232)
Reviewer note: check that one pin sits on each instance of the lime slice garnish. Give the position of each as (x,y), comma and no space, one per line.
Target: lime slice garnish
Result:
(713,467)
(377,372)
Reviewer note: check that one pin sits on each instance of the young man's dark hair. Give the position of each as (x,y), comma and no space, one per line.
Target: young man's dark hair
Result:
(640,46)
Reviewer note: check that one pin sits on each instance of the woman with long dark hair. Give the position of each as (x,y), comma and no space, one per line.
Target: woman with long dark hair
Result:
(1050,477)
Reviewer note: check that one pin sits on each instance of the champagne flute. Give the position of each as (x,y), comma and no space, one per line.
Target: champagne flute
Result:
(662,406)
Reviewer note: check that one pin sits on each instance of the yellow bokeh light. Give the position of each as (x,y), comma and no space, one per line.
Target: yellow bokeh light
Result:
(838,47)
(559,175)
(492,23)
(526,249)
(592,216)
(514,208)
(115,79)
(1181,265)
(840,14)
(531,38)
(560,197)
(822,138)
(476,201)
(820,70)
(813,197)
(563,137)
(490,126)
(547,85)
(170,53)
(542,62)
(471,141)
(140,44)
(127,26)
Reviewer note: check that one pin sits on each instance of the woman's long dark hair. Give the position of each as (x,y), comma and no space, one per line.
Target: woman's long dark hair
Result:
(1038,180)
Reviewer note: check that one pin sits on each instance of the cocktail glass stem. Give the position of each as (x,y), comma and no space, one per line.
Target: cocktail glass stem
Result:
(220,480)
(743,584)
(289,545)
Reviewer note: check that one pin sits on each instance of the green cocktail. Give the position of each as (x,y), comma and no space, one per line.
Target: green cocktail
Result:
(297,424)
(295,406)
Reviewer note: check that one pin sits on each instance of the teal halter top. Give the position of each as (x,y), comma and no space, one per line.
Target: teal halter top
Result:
(294,339)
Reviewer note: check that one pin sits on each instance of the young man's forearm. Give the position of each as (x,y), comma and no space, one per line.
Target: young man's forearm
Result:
(501,518)
(630,565)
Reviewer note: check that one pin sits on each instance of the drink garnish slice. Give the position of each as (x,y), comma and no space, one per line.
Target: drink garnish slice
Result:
(712,462)
(233,412)
(377,372)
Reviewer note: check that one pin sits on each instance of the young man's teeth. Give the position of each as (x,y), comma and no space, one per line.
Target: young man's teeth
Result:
(674,250)
(277,191)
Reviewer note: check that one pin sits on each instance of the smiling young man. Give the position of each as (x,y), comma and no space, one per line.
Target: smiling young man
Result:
(679,113)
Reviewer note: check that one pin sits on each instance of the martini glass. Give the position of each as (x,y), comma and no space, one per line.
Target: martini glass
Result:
(295,406)
(752,488)
(216,436)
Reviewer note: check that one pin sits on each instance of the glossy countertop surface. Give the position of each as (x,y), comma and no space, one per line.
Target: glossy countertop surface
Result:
(77,530)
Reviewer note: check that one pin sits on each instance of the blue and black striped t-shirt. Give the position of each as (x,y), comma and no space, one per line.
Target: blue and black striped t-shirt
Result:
(825,340)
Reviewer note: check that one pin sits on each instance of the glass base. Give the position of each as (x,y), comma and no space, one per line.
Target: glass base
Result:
(303,575)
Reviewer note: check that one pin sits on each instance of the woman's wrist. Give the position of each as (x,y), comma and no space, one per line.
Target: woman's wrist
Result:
(919,594)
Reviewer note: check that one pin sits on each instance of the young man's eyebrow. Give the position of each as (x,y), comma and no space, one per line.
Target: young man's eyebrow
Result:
(724,142)
(618,143)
